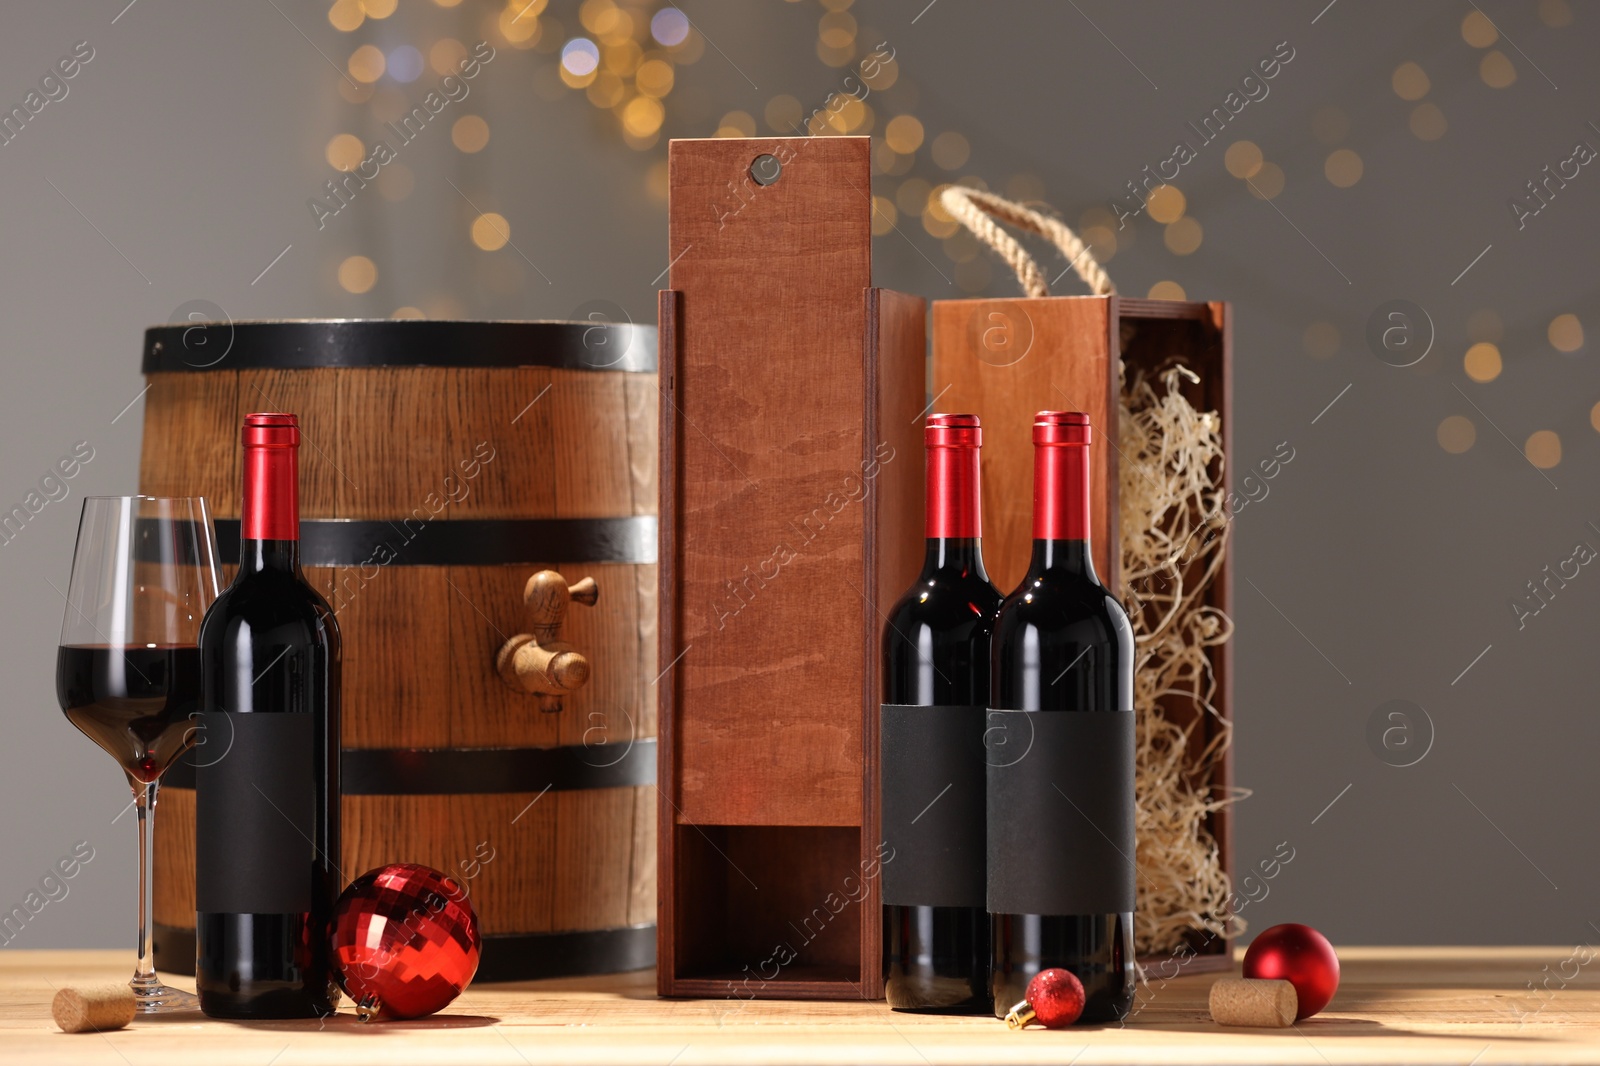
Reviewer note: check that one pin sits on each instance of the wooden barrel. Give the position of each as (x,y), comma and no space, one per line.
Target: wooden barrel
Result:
(442,464)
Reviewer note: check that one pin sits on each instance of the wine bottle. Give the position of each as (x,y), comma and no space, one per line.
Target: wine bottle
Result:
(935,687)
(267,777)
(1060,744)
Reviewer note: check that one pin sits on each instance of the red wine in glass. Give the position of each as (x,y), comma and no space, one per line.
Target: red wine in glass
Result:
(144,572)
(137,703)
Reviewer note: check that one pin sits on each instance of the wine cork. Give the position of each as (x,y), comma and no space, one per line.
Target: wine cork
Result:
(1243,1001)
(93,1010)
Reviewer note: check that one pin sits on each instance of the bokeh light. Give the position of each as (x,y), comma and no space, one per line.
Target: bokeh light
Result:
(1497,70)
(1543,449)
(1167,290)
(1343,168)
(1321,340)
(358,274)
(643,116)
(1166,203)
(346,15)
(1428,122)
(470,133)
(783,114)
(654,77)
(446,55)
(669,27)
(1268,181)
(1183,237)
(491,231)
(405,64)
(904,134)
(1477,30)
(1565,333)
(1242,159)
(1457,434)
(1555,13)
(1482,362)
(366,63)
(1485,324)
(736,124)
(344,151)
(1410,81)
(950,150)
(580,56)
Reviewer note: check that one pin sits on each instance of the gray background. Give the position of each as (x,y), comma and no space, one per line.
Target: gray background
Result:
(184,154)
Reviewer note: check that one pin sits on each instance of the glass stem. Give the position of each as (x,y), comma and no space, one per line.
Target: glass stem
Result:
(144,976)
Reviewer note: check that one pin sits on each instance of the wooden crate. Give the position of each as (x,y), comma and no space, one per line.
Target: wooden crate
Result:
(1005,359)
(792,500)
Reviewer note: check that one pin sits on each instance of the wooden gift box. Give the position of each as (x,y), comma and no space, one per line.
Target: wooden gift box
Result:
(1005,359)
(791,517)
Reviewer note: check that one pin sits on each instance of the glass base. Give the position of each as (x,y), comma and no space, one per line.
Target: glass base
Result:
(150,996)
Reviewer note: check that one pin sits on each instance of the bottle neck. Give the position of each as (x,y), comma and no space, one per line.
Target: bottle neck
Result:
(955,510)
(954,554)
(1061,509)
(269,513)
(279,555)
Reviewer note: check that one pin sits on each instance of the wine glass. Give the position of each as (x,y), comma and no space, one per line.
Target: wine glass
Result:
(128,670)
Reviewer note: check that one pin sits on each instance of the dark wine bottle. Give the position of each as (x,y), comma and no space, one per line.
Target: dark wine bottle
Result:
(1060,744)
(267,782)
(935,687)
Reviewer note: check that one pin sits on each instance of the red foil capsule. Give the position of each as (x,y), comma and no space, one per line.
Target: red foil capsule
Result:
(1061,475)
(270,509)
(954,492)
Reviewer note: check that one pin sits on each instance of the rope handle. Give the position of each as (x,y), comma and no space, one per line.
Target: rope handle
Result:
(973,209)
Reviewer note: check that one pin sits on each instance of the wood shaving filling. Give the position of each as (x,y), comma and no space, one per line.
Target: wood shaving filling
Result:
(1175,527)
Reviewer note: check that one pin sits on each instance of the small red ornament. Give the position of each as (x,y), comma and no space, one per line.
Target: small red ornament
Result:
(405,941)
(1300,955)
(1054,999)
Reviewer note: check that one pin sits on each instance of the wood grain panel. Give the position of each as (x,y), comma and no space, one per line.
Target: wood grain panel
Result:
(506,414)
(191,439)
(485,610)
(395,444)
(896,324)
(607,709)
(1433,1005)
(590,410)
(1003,360)
(771,408)
(790,391)
(594,840)
(642,863)
(172,897)
(396,684)
(642,393)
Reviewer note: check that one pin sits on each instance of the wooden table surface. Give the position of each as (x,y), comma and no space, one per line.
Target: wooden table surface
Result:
(1448,1005)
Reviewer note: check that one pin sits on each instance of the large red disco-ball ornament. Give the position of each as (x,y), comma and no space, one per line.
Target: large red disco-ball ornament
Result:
(405,941)
(1300,955)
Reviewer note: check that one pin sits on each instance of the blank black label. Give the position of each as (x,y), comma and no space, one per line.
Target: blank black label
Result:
(933,788)
(1061,812)
(255,814)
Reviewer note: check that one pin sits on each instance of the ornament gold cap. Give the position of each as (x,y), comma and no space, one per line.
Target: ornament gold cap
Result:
(369,1007)
(1020,1015)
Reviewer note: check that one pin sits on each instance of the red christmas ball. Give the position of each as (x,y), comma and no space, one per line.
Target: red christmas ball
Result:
(1054,999)
(1300,955)
(405,941)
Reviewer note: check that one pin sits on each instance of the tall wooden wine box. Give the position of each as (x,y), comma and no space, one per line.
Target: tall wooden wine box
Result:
(791,518)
